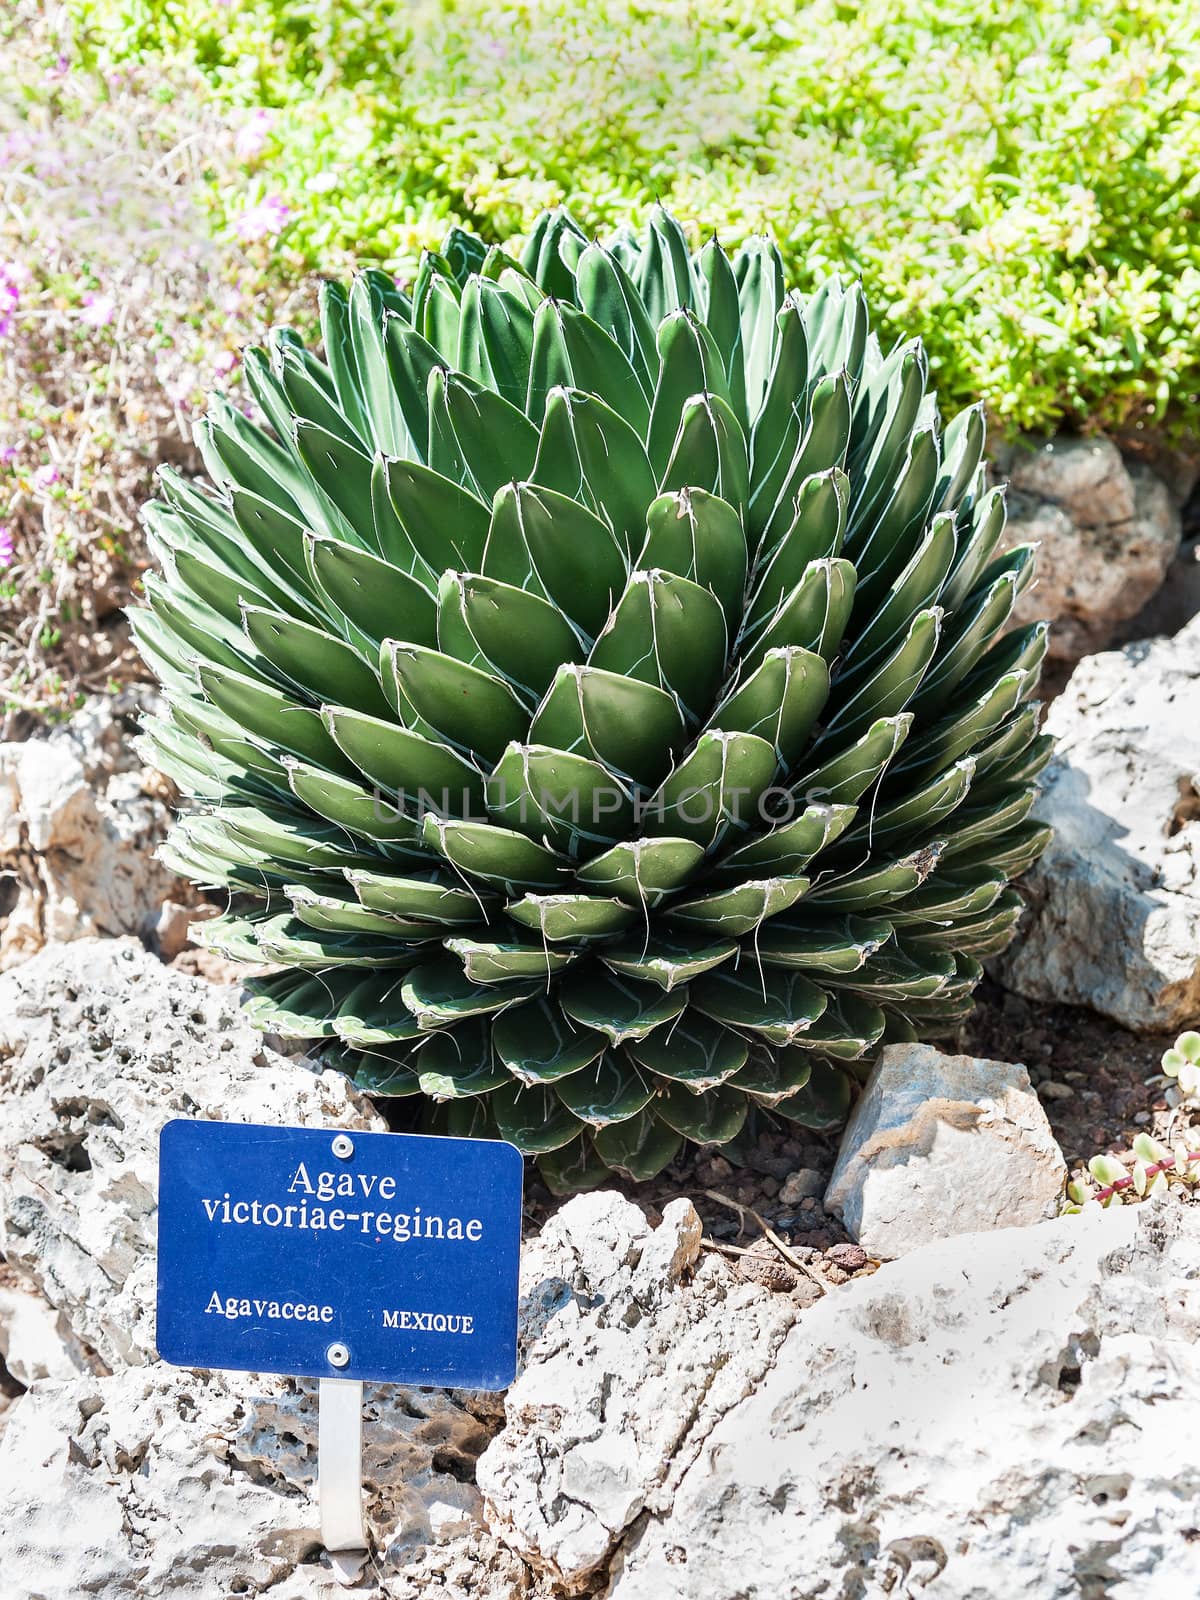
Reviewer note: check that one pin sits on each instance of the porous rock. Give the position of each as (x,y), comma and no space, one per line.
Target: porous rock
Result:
(80,818)
(1107,528)
(635,1346)
(940,1145)
(152,1482)
(1113,906)
(100,1045)
(35,1340)
(1002,1413)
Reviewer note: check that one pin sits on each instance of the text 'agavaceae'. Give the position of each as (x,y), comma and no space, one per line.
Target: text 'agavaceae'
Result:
(592,680)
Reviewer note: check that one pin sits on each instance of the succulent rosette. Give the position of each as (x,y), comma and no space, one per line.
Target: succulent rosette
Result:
(593,683)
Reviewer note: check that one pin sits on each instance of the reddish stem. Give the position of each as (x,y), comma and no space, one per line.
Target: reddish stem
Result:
(1151,1173)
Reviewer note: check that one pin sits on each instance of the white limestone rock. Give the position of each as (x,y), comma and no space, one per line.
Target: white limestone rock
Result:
(36,1341)
(80,818)
(153,1482)
(1113,918)
(100,1045)
(635,1346)
(940,1145)
(996,1414)
(1107,529)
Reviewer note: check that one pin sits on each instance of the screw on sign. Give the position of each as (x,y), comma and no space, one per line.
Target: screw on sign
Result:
(384,1257)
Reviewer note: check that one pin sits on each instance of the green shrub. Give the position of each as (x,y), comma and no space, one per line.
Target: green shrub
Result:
(593,685)
(1016,183)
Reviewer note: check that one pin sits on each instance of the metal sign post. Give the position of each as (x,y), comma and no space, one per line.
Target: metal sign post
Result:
(339,1474)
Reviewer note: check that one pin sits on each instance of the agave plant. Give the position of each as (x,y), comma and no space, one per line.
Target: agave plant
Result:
(591,678)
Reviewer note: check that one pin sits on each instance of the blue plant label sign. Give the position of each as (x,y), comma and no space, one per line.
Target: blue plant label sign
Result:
(322,1253)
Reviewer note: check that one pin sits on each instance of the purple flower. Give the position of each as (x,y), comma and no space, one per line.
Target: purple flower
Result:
(46,477)
(98,309)
(11,278)
(253,134)
(7,548)
(264,220)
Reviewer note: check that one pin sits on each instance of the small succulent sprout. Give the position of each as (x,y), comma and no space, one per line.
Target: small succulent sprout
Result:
(1154,1169)
(1182,1062)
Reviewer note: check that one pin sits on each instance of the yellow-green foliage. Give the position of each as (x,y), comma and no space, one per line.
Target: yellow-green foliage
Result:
(1016,182)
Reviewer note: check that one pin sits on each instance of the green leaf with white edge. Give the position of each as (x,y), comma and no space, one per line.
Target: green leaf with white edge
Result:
(948,895)
(494,625)
(813,615)
(770,1077)
(560,917)
(445,524)
(439,994)
(605,1092)
(816,533)
(847,1030)
(368,597)
(786,849)
(538,1044)
(919,811)
(314,661)
(709,453)
(407,764)
(287,941)
(297,1005)
(779,702)
(361,813)
(876,885)
(620,1008)
(643,872)
(425,895)
(887,687)
(713,1118)
(343,471)
(715,789)
(458,1063)
(566,801)
(473,710)
(822,944)
(668,962)
(552,546)
(698,536)
(499,856)
(589,453)
(278,719)
(694,1051)
(373,1012)
(501,961)
(823,1102)
(668,632)
(495,439)
(533,1119)
(689,364)
(574,1169)
(341,913)
(768,1001)
(639,1147)
(736,912)
(896,974)
(632,727)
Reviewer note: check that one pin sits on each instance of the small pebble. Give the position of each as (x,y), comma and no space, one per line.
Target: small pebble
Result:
(1051,1089)
(803,1184)
(850,1257)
